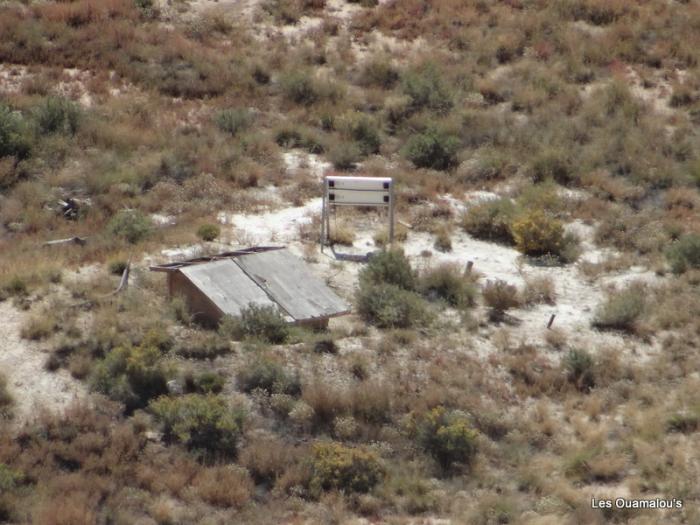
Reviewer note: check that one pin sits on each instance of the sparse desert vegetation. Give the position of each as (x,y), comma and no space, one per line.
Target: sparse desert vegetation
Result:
(529,342)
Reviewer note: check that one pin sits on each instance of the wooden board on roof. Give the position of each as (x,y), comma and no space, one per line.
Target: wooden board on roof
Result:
(288,282)
(226,285)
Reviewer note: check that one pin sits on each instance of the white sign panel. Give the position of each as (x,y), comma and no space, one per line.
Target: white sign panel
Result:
(359,183)
(359,198)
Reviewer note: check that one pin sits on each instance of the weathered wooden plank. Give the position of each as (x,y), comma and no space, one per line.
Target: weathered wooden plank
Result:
(226,285)
(289,282)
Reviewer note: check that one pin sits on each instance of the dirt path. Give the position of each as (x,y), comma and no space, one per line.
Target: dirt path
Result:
(33,387)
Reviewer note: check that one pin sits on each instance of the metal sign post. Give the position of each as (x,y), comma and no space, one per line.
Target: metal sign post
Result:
(356,191)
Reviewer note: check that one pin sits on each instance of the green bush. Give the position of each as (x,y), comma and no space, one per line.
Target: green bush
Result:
(491,220)
(337,467)
(232,121)
(58,115)
(386,296)
(344,155)
(622,309)
(132,376)
(426,89)
(15,286)
(299,87)
(364,133)
(117,266)
(389,306)
(268,375)
(131,225)
(537,234)
(389,267)
(447,282)
(681,422)
(14,134)
(9,479)
(6,399)
(261,322)
(205,383)
(684,254)
(579,367)
(379,72)
(204,424)
(208,232)
(203,346)
(294,137)
(447,437)
(432,149)
(554,165)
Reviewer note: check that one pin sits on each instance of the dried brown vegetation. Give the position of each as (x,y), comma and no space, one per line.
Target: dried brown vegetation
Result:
(154,121)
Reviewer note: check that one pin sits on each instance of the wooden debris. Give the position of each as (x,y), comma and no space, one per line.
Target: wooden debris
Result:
(81,241)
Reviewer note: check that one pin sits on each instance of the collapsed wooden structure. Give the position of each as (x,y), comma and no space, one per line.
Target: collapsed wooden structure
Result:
(227,283)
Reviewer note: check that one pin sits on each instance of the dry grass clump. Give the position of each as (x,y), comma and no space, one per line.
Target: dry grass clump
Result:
(341,234)
(381,238)
(622,309)
(443,239)
(539,290)
(500,296)
(267,459)
(223,486)
(39,327)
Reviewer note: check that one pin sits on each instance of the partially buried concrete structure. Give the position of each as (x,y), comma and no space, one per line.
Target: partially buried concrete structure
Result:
(227,283)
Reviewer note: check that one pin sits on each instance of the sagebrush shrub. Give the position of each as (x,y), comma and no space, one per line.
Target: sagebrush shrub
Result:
(117,266)
(537,234)
(491,220)
(205,383)
(58,115)
(205,424)
(15,140)
(552,164)
(132,376)
(300,87)
(579,366)
(432,149)
(131,225)
(389,306)
(500,296)
(380,72)
(447,437)
(299,137)
(427,89)
(269,375)
(344,155)
(684,254)
(622,309)
(208,232)
(9,478)
(6,399)
(389,267)
(363,131)
(337,467)
(233,121)
(260,322)
(448,283)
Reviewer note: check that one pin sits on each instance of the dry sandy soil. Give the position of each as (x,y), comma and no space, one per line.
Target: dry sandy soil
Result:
(34,388)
